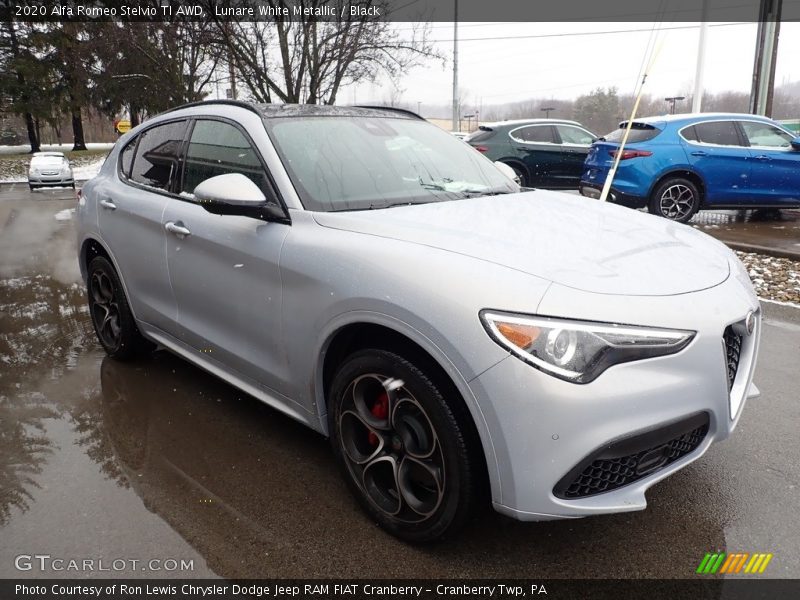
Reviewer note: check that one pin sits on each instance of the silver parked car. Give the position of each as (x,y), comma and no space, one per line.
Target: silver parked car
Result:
(50,169)
(382,282)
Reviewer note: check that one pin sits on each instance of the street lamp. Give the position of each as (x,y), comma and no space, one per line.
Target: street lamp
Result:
(469,118)
(672,100)
(547,110)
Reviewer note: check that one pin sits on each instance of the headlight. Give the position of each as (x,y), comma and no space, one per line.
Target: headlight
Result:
(579,351)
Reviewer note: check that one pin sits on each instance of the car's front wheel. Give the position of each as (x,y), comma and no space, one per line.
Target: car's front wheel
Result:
(676,199)
(111,316)
(519,175)
(404,449)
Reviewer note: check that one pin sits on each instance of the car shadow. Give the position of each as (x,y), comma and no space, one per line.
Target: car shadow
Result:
(259,495)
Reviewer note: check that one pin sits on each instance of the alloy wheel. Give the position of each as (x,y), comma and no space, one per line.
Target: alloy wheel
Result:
(105,309)
(677,202)
(391,448)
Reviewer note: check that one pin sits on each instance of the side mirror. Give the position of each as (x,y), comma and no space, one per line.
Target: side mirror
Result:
(507,171)
(235,194)
(796,143)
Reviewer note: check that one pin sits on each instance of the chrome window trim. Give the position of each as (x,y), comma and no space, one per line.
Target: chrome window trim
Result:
(732,120)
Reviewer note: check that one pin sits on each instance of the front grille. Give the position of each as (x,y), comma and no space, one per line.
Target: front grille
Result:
(49,172)
(609,469)
(733,351)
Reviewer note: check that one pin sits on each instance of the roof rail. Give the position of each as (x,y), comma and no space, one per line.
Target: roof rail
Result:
(410,113)
(238,103)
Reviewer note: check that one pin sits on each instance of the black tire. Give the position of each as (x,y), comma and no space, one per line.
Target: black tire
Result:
(520,173)
(676,199)
(434,484)
(111,316)
(33,187)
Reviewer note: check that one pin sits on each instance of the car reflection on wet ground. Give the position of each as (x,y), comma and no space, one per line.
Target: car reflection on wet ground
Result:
(767,228)
(157,459)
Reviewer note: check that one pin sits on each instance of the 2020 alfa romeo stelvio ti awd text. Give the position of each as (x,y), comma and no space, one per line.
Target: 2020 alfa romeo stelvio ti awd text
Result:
(460,340)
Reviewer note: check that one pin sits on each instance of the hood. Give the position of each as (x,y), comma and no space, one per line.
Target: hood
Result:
(574,241)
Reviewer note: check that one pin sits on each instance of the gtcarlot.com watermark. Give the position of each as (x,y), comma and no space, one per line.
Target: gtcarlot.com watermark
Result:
(56,564)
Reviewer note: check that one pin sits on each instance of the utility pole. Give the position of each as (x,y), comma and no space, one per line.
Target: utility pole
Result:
(697,98)
(547,110)
(456,125)
(769,25)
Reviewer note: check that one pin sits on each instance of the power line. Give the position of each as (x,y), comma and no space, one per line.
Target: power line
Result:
(577,33)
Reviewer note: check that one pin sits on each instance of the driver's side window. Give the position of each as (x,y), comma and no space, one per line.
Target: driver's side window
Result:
(216,148)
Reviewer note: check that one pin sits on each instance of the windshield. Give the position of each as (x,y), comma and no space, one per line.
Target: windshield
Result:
(348,163)
(47,161)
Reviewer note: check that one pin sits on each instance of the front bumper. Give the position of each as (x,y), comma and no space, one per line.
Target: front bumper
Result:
(42,180)
(546,436)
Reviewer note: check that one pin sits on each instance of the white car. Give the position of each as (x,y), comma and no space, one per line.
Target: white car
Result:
(457,339)
(50,168)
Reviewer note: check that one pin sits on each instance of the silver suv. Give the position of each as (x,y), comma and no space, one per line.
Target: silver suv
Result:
(384,283)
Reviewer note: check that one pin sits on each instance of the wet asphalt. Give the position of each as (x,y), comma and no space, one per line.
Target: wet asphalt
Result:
(157,459)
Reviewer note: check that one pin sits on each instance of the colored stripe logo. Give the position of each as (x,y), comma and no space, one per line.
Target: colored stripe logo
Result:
(735,562)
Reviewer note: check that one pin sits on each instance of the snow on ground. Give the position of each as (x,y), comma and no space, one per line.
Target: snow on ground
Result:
(54,148)
(83,169)
(64,215)
(776,279)
(86,172)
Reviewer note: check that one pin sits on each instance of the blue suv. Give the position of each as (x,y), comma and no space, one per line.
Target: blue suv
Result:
(676,165)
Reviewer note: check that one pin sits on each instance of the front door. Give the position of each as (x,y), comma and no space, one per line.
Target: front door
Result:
(775,173)
(223,268)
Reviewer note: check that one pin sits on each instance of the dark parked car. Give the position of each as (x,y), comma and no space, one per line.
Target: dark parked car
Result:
(545,153)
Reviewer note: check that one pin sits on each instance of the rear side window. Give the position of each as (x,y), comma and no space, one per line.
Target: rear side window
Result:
(640,132)
(482,134)
(126,158)
(721,133)
(156,162)
(534,134)
(216,148)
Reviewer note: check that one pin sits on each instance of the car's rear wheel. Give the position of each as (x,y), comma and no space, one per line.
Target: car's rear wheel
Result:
(676,199)
(111,316)
(402,447)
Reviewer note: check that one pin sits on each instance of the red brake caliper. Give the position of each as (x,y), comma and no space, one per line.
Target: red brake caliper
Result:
(379,410)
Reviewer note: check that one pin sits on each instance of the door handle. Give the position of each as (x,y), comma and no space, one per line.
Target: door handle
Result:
(177,228)
(763,157)
(699,153)
(108,204)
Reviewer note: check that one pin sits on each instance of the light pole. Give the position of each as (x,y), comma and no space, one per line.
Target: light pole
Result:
(547,110)
(419,106)
(469,118)
(672,100)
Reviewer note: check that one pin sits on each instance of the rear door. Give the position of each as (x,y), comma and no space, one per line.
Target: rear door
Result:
(718,152)
(775,171)
(536,146)
(129,217)
(224,269)
(575,143)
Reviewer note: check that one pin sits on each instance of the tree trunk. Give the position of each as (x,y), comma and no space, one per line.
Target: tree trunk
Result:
(77,131)
(33,139)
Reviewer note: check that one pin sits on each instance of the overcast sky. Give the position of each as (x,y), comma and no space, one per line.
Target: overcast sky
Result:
(502,62)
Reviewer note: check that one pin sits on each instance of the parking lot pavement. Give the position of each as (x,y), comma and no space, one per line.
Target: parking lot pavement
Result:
(157,459)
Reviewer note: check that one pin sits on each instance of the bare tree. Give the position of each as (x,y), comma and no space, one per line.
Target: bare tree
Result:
(305,59)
